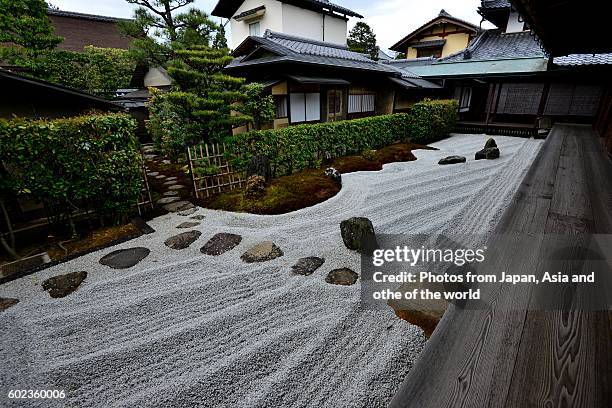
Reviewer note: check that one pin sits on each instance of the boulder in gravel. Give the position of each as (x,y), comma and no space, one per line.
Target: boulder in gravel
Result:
(334,175)
(198,217)
(125,258)
(358,235)
(63,285)
(220,244)
(186,225)
(452,160)
(260,166)
(343,277)
(168,200)
(262,252)
(490,153)
(5,303)
(182,241)
(307,266)
(178,206)
(490,143)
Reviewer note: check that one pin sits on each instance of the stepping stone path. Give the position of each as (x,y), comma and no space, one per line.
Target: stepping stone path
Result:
(188,212)
(172,178)
(307,266)
(153,174)
(176,187)
(5,303)
(170,183)
(178,206)
(171,193)
(125,258)
(198,217)
(182,241)
(186,225)
(63,285)
(220,244)
(262,252)
(168,200)
(160,177)
(358,235)
(452,160)
(343,277)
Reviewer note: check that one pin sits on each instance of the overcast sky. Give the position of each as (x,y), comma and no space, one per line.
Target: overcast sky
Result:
(390,19)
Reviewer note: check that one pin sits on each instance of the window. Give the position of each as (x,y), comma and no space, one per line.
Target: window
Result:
(435,52)
(334,104)
(361,103)
(281,106)
(305,107)
(254,29)
(463,95)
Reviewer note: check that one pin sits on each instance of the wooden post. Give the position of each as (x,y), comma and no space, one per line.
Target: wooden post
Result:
(193,181)
(492,87)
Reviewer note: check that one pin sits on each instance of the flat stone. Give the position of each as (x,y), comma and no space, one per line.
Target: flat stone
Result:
(153,174)
(5,303)
(125,258)
(262,252)
(168,200)
(307,266)
(452,160)
(149,156)
(170,183)
(221,243)
(182,241)
(186,225)
(63,285)
(172,178)
(176,187)
(198,217)
(171,193)
(160,177)
(343,277)
(188,212)
(166,162)
(358,235)
(178,206)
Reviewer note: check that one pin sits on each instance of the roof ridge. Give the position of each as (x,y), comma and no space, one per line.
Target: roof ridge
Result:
(275,34)
(66,13)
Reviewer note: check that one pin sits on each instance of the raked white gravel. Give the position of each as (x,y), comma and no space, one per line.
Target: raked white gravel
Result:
(182,329)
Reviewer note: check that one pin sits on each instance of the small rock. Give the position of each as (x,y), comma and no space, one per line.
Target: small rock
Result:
(452,160)
(262,252)
(198,217)
(182,241)
(188,212)
(490,153)
(490,143)
(153,174)
(343,277)
(125,258)
(5,303)
(176,187)
(307,266)
(63,285)
(358,235)
(220,244)
(170,183)
(187,225)
(168,200)
(171,193)
(178,206)
(334,175)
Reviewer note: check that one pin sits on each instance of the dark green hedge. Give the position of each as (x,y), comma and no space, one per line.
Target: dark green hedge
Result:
(306,146)
(87,163)
(432,120)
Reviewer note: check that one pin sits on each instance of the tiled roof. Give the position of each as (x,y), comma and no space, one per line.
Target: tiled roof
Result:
(494,45)
(83,16)
(495,4)
(316,48)
(584,59)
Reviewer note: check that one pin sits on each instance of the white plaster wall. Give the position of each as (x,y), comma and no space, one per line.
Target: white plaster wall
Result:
(271,20)
(335,30)
(309,24)
(514,25)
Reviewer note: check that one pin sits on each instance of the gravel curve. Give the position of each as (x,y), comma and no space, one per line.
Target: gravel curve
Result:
(182,329)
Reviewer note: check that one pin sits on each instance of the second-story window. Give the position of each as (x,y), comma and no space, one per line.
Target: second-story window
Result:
(254,29)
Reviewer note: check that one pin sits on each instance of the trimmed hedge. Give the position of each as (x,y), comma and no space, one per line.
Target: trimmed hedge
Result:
(306,146)
(76,164)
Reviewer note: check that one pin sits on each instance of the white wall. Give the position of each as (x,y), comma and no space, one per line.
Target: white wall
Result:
(271,20)
(514,25)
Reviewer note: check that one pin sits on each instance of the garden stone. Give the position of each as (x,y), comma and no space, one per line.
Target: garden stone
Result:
(171,193)
(176,187)
(358,235)
(160,177)
(170,183)
(262,252)
(307,266)
(334,175)
(198,217)
(188,212)
(186,225)
(490,153)
(5,303)
(149,156)
(343,277)
(259,166)
(182,241)
(166,162)
(452,160)
(178,206)
(125,258)
(168,200)
(63,285)
(142,226)
(153,174)
(490,143)
(255,187)
(171,178)
(220,244)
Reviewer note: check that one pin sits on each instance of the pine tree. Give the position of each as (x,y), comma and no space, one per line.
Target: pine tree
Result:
(362,39)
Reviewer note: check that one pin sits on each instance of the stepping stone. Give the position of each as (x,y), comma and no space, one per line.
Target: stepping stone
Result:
(188,212)
(5,303)
(171,193)
(262,252)
(153,174)
(198,217)
(166,162)
(172,178)
(63,285)
(452,160)
(307,266)
(170,183)
(149,156)
(160,177)
(186,225)
(125,258)
(182,241)
(220,244)
(178,206)
(168,200)
(358,235)
(176,187)
(343,277)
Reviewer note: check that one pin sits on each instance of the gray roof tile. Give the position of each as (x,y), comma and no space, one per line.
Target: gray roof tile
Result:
(495,4)
(493,45)
(584,59)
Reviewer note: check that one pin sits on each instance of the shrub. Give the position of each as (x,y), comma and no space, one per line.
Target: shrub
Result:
(432,120)
(305,146)
(86,163)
